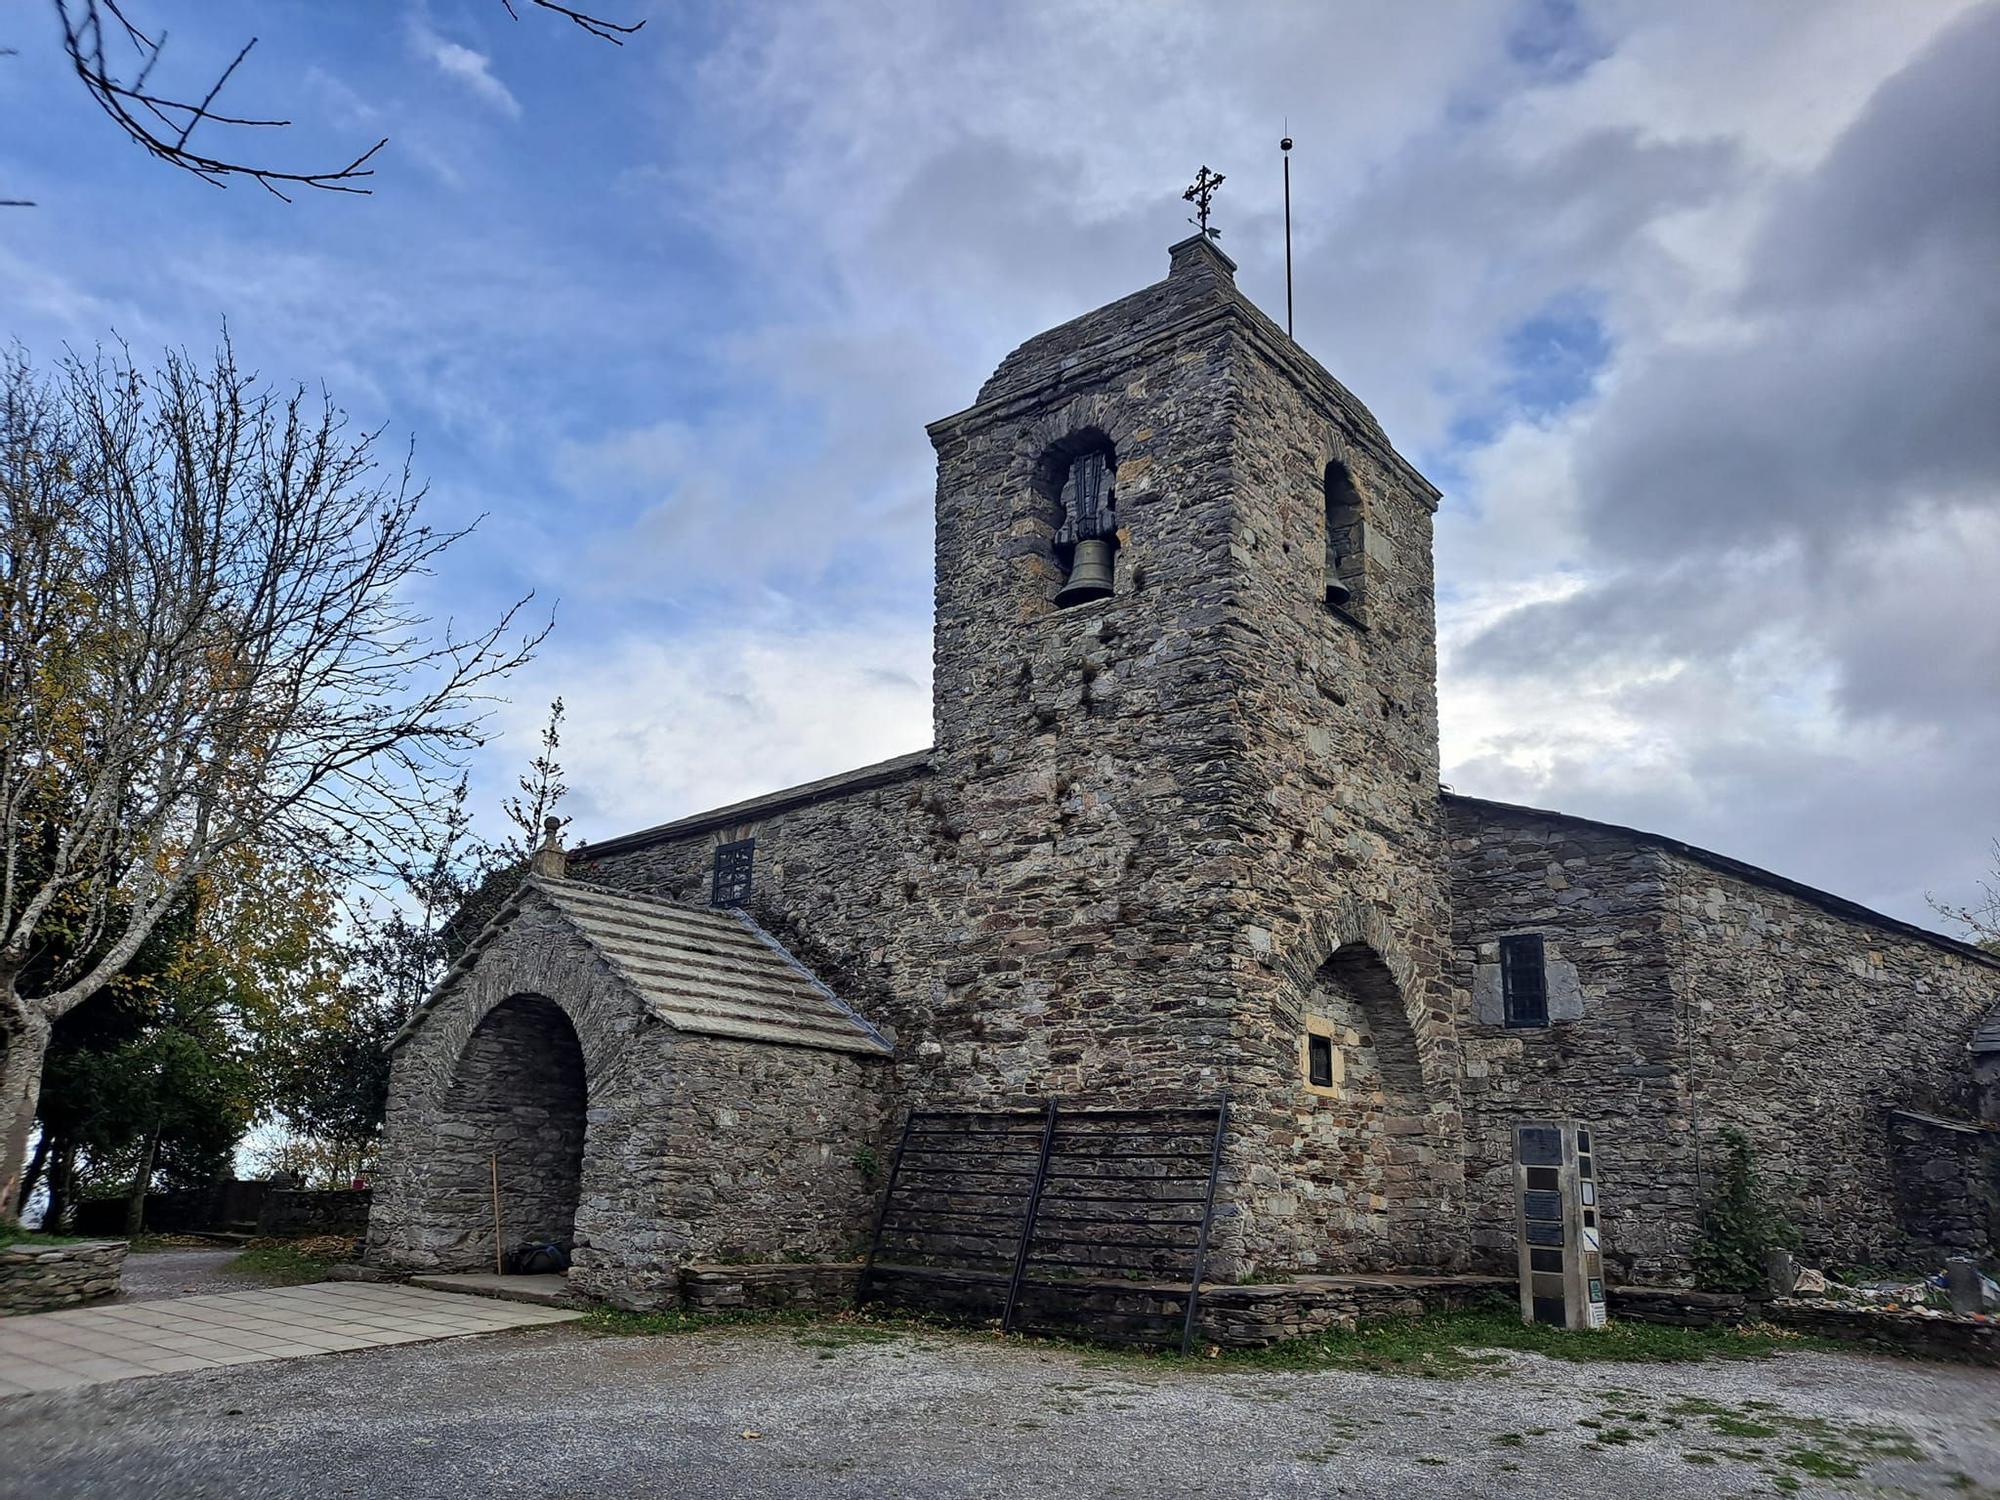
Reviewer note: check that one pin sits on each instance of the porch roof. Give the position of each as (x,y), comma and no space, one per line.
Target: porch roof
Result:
(708,970)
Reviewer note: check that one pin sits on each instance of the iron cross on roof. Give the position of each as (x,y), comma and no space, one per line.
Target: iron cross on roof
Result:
(1205,184)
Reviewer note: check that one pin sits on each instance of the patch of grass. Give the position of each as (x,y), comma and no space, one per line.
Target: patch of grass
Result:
(278,1265)
(13,1234)
(1734,1426)
(1821,1465)
(1818,1447)
(1460,1344)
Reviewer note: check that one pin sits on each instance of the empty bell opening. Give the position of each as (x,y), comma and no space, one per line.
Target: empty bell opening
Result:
(1089,573)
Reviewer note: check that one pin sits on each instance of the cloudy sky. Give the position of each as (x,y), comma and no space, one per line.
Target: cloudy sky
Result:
(1691,310)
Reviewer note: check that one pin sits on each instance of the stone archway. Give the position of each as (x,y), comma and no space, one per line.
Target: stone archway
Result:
(1381,1107)
(516,1105)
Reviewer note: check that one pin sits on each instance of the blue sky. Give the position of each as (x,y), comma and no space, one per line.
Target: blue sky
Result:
(1689,310)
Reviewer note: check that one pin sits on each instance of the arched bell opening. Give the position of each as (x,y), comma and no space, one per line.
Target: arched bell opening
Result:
(1346,568)
(1371,1077)
(1076,483)
(511,1128)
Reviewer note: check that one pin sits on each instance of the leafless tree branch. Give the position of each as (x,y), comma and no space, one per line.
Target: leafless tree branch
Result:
(597,26)
(115,60)
(207,644)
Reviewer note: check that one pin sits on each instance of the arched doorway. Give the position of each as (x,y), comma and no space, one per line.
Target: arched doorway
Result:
(515,1112)
(1380,1110)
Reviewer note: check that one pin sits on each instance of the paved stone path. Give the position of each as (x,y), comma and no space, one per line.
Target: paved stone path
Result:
(90,1345)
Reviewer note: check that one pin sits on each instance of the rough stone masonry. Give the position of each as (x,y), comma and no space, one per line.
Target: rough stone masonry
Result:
(1177,835)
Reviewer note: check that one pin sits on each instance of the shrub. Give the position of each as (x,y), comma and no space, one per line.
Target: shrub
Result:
(1738,1224)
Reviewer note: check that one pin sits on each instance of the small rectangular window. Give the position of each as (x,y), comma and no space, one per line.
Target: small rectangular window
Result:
(732,872)
(1524,980)
(1319,1061)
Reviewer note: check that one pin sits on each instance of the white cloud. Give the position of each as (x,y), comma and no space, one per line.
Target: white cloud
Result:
(472,69)
(662,728)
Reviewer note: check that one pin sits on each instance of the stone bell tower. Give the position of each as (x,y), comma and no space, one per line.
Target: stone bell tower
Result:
(1186,732)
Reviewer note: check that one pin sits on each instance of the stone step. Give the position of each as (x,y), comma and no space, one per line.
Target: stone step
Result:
(545,1291)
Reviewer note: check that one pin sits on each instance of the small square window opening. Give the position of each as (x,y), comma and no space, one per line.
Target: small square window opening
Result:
(1319,1061)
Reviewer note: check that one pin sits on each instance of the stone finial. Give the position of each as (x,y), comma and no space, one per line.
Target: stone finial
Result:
(549,861)
(1199,255)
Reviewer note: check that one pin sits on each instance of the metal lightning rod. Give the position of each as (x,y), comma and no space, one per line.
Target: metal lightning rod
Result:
(1285,146)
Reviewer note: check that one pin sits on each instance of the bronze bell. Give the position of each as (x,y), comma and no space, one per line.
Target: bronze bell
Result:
(1337,591)
(1089,573)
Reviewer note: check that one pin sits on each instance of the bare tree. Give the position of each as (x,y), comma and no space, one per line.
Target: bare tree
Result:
(116,61)
(1980,916)
(207,643)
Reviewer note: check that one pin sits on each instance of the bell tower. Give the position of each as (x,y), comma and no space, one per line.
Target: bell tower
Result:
(1187,812)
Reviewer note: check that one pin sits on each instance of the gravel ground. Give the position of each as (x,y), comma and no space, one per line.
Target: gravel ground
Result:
(552,1413)
(152,1274)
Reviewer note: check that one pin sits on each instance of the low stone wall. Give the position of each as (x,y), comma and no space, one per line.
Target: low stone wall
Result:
(1151,1312)
(724,1288)
(35,1278)
(1968,1340)
(1248,1317)
(293,1213)
(1677,1305)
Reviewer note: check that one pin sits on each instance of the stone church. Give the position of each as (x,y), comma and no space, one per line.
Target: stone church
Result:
(1180,835)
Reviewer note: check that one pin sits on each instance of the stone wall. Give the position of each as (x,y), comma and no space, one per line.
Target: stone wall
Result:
(1340,894)
(1920,1335)
(36,1278)
(1698,996)
(1610,1055)
(1946,1180)
(837,877)
(227,1204)
(820,1286)
(1806,1023)
(773,1156)
(539,1021)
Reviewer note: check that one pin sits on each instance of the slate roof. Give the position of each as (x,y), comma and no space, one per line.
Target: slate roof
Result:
(1987,1037)
(699,969)
(1839,906)
(847,783)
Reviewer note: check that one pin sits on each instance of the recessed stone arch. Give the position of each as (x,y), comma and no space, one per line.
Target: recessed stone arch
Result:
(1376,1154)
(536,993)
(511,1122)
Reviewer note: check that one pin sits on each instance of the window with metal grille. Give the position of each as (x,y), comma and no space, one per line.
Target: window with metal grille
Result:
(1524,983)
(1319,1061)
(732,872)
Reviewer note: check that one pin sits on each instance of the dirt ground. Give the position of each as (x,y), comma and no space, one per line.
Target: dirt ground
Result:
(829,1411)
